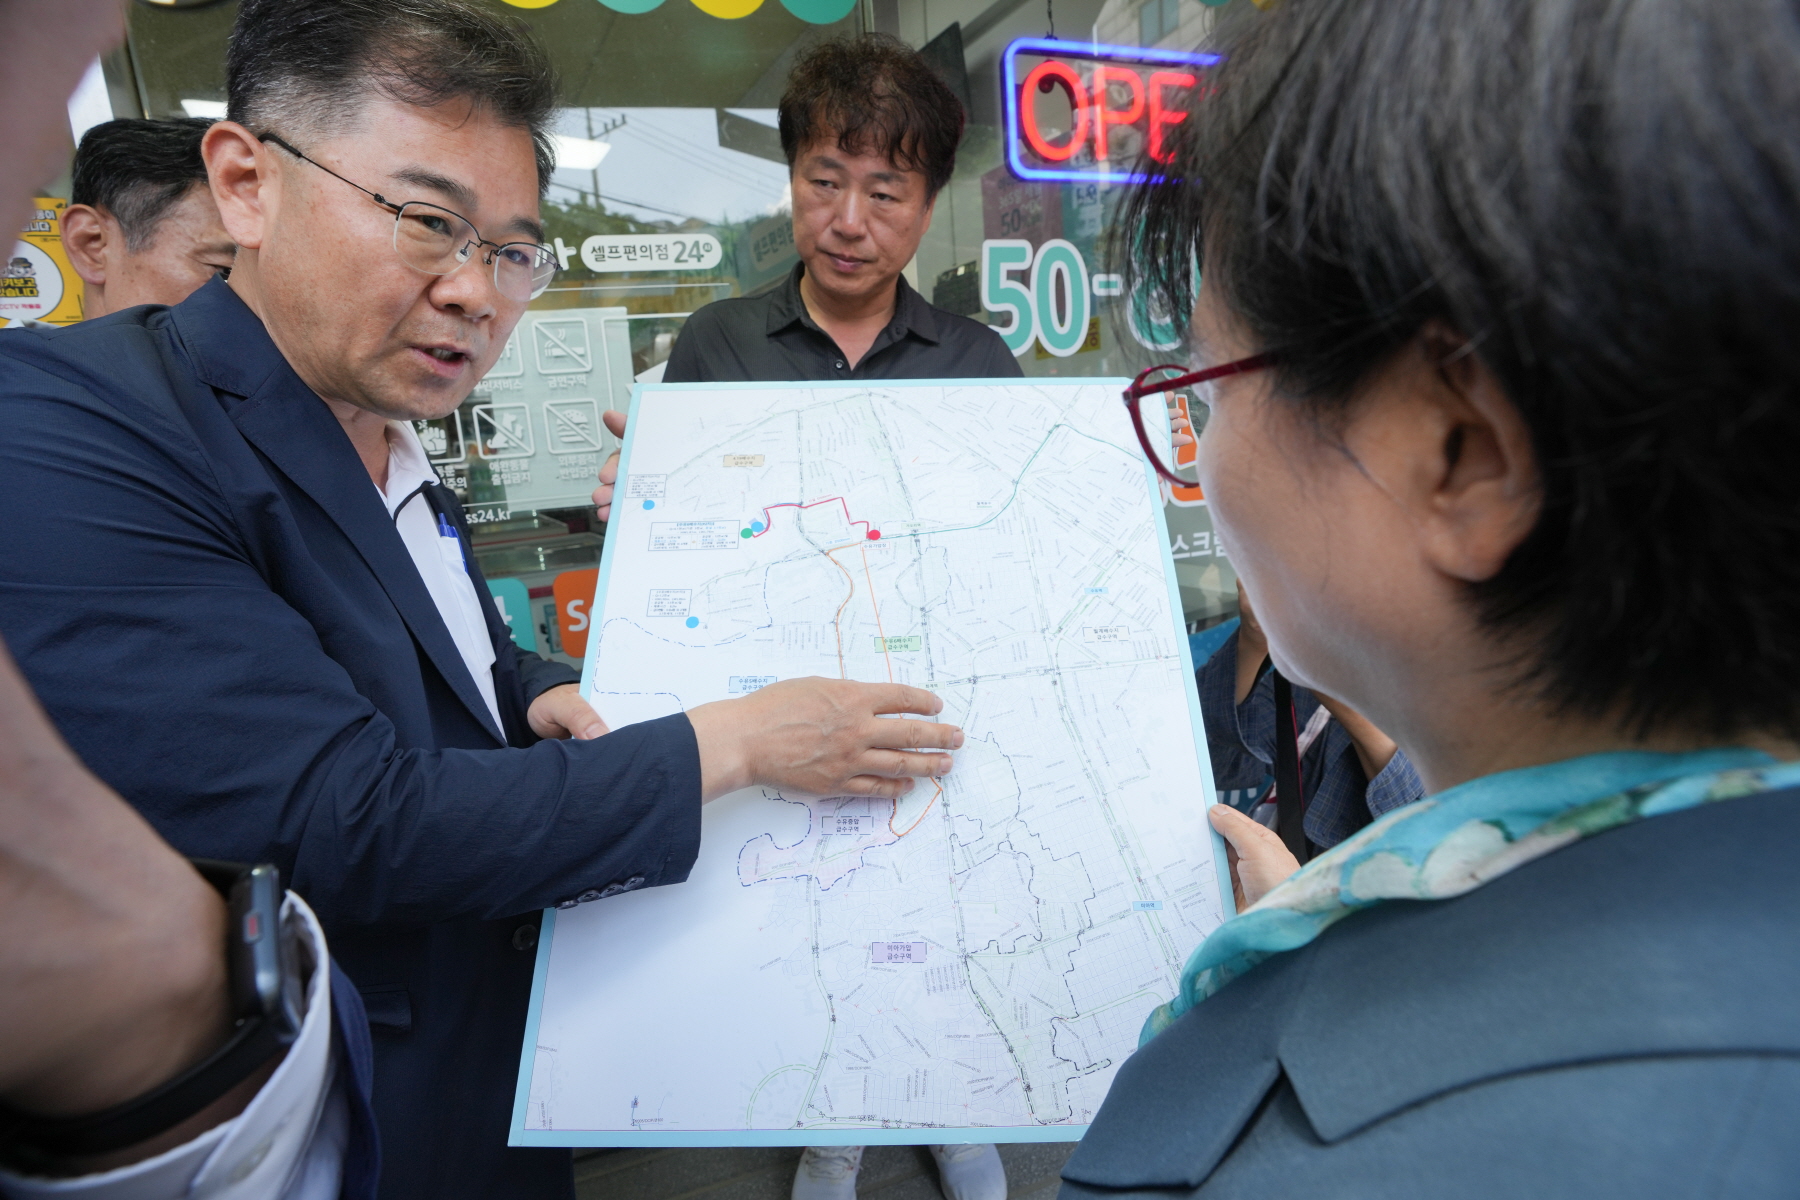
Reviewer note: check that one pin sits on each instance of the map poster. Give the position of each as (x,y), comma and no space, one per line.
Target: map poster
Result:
(972,962)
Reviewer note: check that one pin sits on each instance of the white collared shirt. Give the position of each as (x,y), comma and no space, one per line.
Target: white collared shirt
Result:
(287,1144)
(438,554)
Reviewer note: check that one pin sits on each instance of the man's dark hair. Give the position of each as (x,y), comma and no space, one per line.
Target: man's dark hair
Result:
(1603,198)
(874,94)
(136,171)
(302,68)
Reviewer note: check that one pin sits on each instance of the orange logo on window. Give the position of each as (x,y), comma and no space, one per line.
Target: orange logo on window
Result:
(574,592)
(1185,457)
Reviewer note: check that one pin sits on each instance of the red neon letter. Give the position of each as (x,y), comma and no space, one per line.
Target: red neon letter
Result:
(1104,116)
(1047,74)
(1160,116)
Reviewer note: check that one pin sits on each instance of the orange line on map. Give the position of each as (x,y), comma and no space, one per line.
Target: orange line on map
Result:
(890,671)
(922,815)
(837,624)
(877,608)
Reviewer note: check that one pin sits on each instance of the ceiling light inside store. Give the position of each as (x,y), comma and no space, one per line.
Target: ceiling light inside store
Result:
(576,154)
(211,110)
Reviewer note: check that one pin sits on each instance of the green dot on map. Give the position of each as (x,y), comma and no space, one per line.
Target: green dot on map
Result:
(743,533)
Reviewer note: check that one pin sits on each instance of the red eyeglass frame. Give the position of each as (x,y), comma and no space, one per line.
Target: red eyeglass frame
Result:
(1141,387)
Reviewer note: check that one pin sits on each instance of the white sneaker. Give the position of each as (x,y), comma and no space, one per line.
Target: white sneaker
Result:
(827,1173)
(970,1172)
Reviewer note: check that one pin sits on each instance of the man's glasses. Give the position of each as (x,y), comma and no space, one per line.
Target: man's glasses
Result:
(1146,384)
(434,240)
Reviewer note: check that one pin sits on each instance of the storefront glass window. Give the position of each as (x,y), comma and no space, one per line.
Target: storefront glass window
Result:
(673,192)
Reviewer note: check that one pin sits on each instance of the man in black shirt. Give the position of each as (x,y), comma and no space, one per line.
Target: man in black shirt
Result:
(782,334)
(870,132)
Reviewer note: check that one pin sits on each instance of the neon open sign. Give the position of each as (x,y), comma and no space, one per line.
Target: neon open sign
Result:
(1121,101)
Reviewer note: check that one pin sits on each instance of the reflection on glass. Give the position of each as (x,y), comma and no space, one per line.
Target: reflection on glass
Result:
(672,192)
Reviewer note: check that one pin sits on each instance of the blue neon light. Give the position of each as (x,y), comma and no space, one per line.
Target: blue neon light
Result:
(1092,51)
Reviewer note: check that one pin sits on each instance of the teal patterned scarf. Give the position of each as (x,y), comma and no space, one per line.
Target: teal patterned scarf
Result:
(1456,841)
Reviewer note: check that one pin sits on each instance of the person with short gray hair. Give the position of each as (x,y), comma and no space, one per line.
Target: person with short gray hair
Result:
(1498,308)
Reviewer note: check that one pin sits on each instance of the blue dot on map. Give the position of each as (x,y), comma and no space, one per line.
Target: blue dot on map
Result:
(693,622)
(649,504)
(757,527)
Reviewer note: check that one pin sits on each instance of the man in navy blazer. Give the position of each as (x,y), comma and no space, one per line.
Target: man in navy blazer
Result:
(207,578)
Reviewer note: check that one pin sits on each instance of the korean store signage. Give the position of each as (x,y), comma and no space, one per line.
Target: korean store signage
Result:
(651,252)
(1082,111)
(36,281)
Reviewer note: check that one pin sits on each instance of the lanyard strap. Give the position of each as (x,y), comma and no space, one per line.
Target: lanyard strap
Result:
(1290,802)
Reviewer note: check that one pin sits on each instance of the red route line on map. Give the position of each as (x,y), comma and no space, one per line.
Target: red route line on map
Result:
(769,521)
(837,623)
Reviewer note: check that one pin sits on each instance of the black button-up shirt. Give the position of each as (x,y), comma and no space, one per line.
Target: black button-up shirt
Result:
(770,338)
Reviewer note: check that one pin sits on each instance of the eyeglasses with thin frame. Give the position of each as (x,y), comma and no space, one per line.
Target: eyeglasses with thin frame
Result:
(436,240)
(1144,385)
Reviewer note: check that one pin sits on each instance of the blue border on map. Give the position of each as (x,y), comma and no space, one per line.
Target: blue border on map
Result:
(910,1135)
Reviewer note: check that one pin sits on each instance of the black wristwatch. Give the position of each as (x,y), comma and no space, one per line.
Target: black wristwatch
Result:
(268,1002)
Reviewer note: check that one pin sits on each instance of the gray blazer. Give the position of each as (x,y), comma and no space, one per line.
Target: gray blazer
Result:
(1618,1019)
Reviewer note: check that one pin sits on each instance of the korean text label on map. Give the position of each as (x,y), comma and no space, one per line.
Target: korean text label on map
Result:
(645,487)
(897,952)
(694,535)
(670,602)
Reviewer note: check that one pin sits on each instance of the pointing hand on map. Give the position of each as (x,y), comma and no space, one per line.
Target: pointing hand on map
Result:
(609,471)
(822,737)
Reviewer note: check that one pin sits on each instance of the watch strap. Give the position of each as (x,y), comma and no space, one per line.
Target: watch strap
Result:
(29,1142)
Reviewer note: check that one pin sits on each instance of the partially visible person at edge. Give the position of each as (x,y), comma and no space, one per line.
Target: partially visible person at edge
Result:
(141,226)
(114,976)
(1350,771)
(870,132)
(1514,480)
(251,607)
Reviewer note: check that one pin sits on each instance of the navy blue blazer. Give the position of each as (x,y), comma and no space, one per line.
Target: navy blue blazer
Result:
(350,1046)
(208,595)
(1616,1019)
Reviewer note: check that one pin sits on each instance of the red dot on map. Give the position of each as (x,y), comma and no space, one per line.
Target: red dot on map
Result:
(874,535)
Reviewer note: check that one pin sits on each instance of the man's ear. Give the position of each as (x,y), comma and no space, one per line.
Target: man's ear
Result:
(241,172)
(85,234)
(1435,431)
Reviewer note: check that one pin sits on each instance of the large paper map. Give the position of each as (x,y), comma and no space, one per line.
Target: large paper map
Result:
(974,961)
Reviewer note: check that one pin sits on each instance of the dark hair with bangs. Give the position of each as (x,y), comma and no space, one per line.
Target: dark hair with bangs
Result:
(874,94)
(137,171)
(1603,197)
(301,68)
